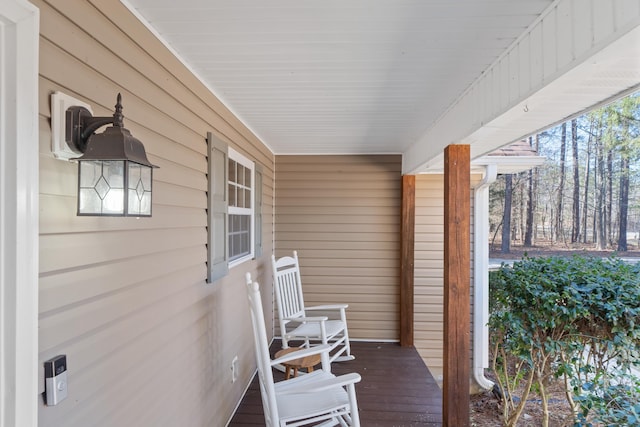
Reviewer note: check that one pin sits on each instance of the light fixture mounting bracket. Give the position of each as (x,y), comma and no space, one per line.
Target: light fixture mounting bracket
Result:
(80,124)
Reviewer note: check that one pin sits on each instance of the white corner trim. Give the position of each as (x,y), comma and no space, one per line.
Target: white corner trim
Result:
(19,41)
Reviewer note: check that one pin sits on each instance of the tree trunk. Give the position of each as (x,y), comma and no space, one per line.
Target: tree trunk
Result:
(536,180)
(600,227)
(528,235)
(559,204)
(587,176)
(506,215)
(609,204)
(575,230)
(521,208)
(628,121)
(624,204)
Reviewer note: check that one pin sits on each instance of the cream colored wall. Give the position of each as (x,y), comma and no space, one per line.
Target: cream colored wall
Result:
(429,270)
(342,215)
(148,341)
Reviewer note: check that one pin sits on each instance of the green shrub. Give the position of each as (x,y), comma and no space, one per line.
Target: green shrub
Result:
(569,317)
(610,403)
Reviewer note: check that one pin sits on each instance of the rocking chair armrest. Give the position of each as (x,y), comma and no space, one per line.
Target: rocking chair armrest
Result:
(328,307)
(325,384)
(316,349)
(307,319)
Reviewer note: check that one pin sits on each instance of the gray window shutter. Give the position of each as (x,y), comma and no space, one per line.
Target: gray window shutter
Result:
(257,212)
(217,256)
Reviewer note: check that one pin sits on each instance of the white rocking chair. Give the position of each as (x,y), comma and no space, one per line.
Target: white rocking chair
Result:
(291,309)
(318,398)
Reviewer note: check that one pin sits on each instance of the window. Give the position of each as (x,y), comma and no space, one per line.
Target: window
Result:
(234,208)
(240,236)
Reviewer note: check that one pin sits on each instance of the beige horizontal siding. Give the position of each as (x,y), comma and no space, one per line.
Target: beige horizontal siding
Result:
(429,269)
(342,215)
(124,298)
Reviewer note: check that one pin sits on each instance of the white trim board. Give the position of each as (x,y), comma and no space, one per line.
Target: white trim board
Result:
(19,39)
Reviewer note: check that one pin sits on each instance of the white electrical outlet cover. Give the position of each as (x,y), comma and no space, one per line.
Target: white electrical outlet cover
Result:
(234,369)
(59,104)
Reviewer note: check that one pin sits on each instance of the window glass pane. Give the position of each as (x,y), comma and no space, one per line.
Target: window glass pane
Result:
(240,175)
(232,195)
(236,249)
(247,198)
(247,177)
(232,170)
(239,236)
(244,236)
(240,200)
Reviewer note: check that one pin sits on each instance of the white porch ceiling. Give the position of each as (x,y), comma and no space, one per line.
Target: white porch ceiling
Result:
(343,77)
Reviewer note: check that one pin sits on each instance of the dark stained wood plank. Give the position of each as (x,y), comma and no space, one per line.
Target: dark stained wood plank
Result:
(457,278)
(408,225)
(397,389)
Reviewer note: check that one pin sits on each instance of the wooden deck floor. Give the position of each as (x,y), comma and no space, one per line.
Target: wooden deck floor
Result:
(397,389)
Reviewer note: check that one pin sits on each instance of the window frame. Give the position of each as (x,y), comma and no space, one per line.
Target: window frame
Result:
(237,157)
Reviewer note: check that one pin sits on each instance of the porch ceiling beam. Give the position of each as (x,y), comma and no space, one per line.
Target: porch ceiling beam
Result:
(579,53)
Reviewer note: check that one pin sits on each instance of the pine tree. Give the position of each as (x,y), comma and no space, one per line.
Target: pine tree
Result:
(575,220)
(505,247)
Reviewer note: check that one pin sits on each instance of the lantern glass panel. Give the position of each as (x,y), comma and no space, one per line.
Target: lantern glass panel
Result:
(113,203)
(89,202)
(113,172)
(90,173)
(101,187)
(139,190)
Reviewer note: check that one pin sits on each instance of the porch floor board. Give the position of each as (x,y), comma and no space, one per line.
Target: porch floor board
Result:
(397,389)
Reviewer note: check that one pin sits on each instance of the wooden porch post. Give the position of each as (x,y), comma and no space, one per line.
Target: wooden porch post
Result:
(406,261)
(457,277)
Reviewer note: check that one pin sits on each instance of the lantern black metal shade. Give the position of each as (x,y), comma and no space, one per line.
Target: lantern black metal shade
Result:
(114,175)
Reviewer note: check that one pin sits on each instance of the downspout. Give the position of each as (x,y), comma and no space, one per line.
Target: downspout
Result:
(481,277)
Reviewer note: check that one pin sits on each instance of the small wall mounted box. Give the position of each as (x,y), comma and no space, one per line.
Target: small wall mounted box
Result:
(55,377)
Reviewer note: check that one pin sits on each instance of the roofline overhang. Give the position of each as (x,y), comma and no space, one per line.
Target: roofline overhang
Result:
(504,164)
(508,102)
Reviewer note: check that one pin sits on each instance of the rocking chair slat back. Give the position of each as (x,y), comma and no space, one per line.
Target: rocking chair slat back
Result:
(289,286)
(329,323)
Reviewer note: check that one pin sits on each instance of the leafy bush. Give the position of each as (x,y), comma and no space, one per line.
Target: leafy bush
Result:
(575,318)
(612,404)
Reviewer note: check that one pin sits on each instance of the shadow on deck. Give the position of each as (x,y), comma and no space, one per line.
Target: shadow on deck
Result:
(397,389)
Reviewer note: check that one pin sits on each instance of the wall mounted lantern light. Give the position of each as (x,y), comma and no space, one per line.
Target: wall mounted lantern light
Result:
(114,175)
